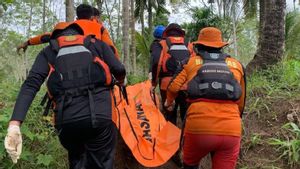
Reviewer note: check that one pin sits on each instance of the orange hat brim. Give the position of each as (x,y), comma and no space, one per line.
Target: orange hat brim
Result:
(211,44)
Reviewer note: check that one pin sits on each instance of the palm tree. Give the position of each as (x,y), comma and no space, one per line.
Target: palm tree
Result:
(250,8)
(159,7)
(125,39)
(133,41)
(140,6)
(271,35)
(149,5)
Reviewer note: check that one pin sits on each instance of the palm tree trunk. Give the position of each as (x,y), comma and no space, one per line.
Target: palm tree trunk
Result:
(271,35)
(99,5)
(133,43)
(70,12)
(109,13)
(150,16)
(44,15)
(119,18)
(125,48)
(233,9)
(142,16)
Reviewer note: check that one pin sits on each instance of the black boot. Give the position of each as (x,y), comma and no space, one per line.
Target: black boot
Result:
(190,167)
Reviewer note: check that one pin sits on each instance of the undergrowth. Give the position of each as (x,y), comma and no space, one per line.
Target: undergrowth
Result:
(41,148)
(267,91)
(272,95)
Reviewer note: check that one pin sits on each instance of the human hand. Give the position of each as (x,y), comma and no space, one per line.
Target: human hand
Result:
(13,142)
(23,46)
(169,106)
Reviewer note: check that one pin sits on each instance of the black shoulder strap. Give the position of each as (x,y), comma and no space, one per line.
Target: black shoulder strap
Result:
(168,42)
(54,45)
(186,42)
(102,30)
(50,54)
(94,46)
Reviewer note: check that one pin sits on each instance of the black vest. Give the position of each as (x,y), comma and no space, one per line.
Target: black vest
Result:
(214,80)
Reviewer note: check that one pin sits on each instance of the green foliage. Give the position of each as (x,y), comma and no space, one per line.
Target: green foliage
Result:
(135,79)
(246,40)
(202,17)
(143,47)
(250,8)
(281,81)
(160,19)
(292,29)
(41,148)
(289,147)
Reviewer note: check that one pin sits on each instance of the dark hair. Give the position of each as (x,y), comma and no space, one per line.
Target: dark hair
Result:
(200,47)
(96,12)
(84,11)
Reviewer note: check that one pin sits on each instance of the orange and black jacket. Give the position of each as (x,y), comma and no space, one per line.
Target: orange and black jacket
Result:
(209,117)
(90,27)
(78,109)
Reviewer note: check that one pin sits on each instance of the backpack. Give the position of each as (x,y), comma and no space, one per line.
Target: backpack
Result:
(76,70)
(214,80)
(175,50)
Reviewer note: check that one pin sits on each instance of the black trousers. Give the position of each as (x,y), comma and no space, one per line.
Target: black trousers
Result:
(89,148)
(180,102)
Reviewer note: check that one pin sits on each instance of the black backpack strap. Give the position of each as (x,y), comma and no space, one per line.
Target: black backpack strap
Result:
(54,45)
(47,99)
(186,42)
(102,30)
(168,42)
(91,44)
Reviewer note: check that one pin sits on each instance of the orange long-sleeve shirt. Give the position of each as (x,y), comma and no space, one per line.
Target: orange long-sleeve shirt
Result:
(89,27)
(210,117)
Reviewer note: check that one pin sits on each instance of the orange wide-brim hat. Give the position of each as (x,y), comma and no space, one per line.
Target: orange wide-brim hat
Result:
(211,37)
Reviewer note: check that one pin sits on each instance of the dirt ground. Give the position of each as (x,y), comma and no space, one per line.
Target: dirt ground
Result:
(255,151)
(259,127)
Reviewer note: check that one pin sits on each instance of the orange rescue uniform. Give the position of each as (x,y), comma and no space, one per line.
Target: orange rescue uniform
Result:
(208,117)
(89,27)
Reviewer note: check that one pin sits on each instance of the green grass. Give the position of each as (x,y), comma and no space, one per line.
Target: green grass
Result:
(41,148)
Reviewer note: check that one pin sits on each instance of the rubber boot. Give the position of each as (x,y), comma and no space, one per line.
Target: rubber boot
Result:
(190,167)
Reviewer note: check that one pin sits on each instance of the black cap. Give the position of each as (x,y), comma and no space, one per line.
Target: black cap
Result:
(173,27)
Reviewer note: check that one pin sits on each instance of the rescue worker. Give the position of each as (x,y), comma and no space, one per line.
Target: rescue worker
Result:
(155,46)
(79,70)
(99,30)
(166,58)
(216,93)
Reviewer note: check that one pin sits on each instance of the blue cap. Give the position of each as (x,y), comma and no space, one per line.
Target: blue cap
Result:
(158,31)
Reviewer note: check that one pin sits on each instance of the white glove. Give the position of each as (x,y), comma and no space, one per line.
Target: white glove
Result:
(13,142)
(169,107)
(150,76)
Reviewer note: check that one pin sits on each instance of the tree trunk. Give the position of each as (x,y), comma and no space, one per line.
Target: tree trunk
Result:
(44,15)
(119,18)
(109,13)
(271,35)
(70,11)
(125,48)
(219,4)
(233,9)
(99,5)
(142,16)
(133,45)
(25,59)
(150,16)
